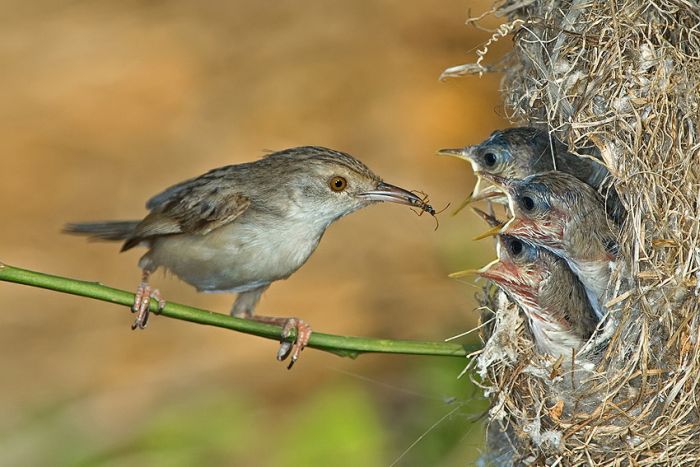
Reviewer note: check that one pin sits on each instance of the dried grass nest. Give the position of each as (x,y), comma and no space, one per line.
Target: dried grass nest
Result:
(623,75)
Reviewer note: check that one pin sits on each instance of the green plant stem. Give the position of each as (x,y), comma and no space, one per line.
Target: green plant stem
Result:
(341,345)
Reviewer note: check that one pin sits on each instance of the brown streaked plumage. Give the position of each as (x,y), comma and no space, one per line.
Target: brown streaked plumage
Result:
(241,227)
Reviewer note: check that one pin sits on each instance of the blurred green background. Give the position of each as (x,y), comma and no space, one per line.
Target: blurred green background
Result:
(106,103)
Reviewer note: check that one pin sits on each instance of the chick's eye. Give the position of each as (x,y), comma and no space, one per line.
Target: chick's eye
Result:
(490,159)
(527,203)
(338,184)
(516,247)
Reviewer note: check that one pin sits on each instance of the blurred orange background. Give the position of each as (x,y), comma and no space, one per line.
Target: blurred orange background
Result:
(107,103)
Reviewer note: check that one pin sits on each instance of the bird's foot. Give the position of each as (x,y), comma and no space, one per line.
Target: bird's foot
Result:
(289,349)
(142,303)
(293,350)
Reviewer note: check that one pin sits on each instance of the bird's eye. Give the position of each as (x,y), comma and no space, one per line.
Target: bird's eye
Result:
(527,203)
(490,159)
(516,247)
(338,184)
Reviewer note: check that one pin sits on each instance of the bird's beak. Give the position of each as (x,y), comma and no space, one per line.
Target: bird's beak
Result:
(464,204)
(464,153)
(504,273)
(490,220)
(500,272)
(494,193)
(460,153)
(492,232)
(489,192)
(545,233)
(502,182)
(510,278)
(394,194)
(471,272)
(465,273)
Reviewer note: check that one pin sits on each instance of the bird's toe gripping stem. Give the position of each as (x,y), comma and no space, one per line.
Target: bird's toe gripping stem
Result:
(293,349)
(142,303)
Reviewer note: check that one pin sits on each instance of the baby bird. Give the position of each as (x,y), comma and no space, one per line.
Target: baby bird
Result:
(523,151)
(560,317)
(241,227)
(556,211)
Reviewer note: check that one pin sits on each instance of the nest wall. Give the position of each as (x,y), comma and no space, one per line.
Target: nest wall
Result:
(623,76)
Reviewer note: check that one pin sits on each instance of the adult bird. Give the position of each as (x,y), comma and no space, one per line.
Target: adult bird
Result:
(241,227)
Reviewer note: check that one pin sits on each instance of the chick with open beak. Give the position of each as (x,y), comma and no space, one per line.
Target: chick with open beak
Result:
(559,315)
(520,152)
(558,212)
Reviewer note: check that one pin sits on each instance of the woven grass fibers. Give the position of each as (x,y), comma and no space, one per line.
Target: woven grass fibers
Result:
(624,76)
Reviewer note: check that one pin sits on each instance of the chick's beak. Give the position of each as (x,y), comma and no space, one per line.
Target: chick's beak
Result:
(460,153)
(491,220)
(512,279)
(501,272)
(393,194)
(505,274)
(497,180)
(472,272)
(546,233)
(492,232)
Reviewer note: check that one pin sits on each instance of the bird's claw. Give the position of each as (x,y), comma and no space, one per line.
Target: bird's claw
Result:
(284,350)
(142,304)
(293,349)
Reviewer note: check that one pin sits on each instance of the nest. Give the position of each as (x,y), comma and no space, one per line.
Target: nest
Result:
(624,76)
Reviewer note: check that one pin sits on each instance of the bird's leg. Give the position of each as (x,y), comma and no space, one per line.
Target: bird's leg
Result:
(245,303)
(142,301)
(244,307)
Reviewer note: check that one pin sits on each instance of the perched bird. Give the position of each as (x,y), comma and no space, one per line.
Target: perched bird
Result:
(560,317)
(523,151)
(241,227)
(556,211)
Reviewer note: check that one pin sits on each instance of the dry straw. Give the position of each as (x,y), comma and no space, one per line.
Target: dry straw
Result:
(623,75)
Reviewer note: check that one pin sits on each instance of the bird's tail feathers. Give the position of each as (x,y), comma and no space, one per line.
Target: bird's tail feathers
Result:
(111,230)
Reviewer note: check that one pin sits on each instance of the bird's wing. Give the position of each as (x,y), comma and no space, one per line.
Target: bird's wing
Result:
(167,194)
(197,207)
(176,190)
(203,208)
